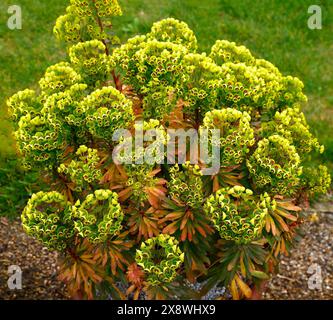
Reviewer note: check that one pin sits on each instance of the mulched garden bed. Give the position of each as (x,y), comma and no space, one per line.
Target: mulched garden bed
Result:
(39,266)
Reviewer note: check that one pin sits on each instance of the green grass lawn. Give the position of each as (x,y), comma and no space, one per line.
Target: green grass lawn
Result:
(272,29)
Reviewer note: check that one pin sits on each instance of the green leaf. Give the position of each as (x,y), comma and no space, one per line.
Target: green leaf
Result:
(260,275)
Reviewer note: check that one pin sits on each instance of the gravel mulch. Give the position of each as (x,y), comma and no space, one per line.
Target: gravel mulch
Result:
(39,266)
(37,263)
(312,259)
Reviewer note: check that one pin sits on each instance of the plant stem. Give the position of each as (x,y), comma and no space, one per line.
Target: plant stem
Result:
(107,52)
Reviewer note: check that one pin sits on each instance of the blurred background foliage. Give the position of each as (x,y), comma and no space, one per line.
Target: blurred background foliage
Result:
(272,29)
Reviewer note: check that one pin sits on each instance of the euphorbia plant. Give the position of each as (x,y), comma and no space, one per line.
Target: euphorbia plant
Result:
(130,203)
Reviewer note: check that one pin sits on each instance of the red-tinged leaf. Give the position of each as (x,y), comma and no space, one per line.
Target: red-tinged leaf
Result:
(159,194)
(190,215)
(122,171)
(283,246)
(216,185)
(173,216)
(130,289)
(115,187)
(68,151)
(183,223)
(106,178)
(184,235)
(268,225)
(153,201)
(113,265)
(275,232)
(201,231)
(171,228)
(150,230)
(74,268)
(277,249)
(125,194)
(87,258)
(289,206)
(105,259)
(281,222)
(161,182)
(190,235)
(136,295)
(286,215)
(154,172)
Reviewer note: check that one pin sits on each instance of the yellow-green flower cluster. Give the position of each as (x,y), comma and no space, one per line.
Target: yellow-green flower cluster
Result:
(22,103)
(159,102)
(201,79)
(99,217)
(84,170)
(261,87)
(47,218)
(275,166)
(41,139)
(107,110)
(101,8)
(186,185)
(154,70)
(84,18)
(67,104)
(172,30)
(291,124)
(236,134)
(236,214)
(225,51)
(90,59)
(140,178)
(147,146)
(267,202)
(69,27)
(141,159)
(316,180)
(160,257)
(58,77)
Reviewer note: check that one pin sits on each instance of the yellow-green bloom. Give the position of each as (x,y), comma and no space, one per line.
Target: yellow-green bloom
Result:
(106,111)
(23,103)
(98,217)
(236,214)
(186,185)
(235,131)
(59,77)
(292,125)
(84,170)
(316,181)
(41,139)
(275,166)
(160,257)
(47,218)
(90,59)
(172,30)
